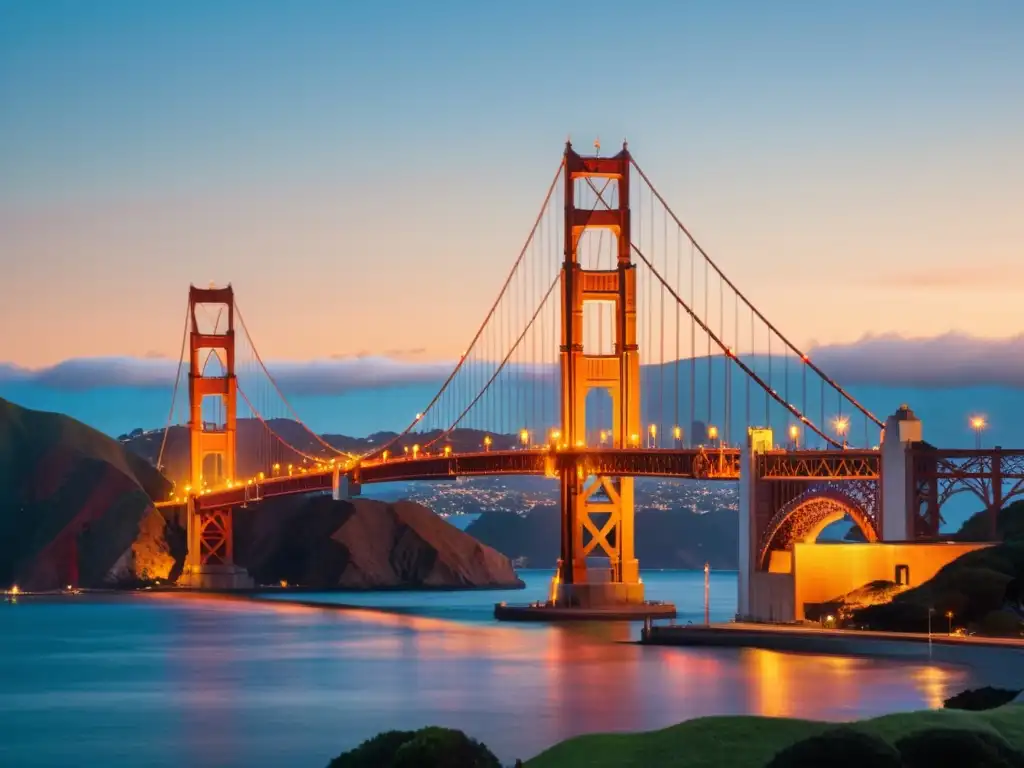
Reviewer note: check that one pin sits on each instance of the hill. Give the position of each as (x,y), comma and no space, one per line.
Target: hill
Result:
(74,504)
(664,538)
(363,544)
(982,589)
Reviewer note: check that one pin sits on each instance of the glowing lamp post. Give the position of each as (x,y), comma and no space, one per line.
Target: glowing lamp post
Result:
(713,434)
(416,450)
(603,437)
(634,440)
(677,435)
(524,437)
(487,442)
(653,432)
(447,450)
(949,618)
(794,436)
(978,424)
(556,435)
(842,426)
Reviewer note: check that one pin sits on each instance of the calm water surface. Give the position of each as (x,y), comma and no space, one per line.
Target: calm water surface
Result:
(159,680)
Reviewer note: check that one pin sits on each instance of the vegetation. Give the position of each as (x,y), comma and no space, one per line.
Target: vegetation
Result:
(981,589)
(752,742)
(426,748)
(957,748)
(839,748)
(1009,525)
(980,699)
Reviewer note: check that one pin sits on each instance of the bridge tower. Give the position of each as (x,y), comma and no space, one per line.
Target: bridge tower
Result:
(210,559)
(597,512)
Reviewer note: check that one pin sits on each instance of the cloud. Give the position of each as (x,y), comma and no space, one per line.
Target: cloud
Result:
(319,377)
(951,360)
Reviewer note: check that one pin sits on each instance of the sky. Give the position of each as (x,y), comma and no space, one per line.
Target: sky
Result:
(365,173)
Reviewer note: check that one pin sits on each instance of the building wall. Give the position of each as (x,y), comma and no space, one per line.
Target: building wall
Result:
(823,572)
(771,598)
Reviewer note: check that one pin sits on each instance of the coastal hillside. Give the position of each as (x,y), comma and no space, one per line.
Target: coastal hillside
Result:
(664,538)
(363,544)
(75,505)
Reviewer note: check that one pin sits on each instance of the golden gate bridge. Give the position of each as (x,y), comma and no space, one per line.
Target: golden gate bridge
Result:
(616,348)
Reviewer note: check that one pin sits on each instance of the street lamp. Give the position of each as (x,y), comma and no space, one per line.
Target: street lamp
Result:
(524,437)
(653,432)
(635,440)
(487,442)
(416,450)
(677,434)
(556,435)
(447,450)
(603,437)
(842,426)
(978,424)
(949,618)
(794,435)
(712,434)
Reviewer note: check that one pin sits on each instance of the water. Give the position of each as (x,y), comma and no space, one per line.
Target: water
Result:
(161,680)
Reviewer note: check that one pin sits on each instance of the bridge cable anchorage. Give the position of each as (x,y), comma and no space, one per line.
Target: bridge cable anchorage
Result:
(743,366)
(476,337)
(174,391)
(825,377)
(280,394)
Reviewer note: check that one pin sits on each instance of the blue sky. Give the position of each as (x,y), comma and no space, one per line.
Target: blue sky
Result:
(856,168)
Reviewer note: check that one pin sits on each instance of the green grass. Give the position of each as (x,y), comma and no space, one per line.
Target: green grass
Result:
(750,742)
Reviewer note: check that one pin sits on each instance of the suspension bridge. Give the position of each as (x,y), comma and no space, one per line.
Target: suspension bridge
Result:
(616,348)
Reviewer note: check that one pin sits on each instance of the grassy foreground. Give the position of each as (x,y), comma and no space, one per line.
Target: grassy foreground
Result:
(750,742)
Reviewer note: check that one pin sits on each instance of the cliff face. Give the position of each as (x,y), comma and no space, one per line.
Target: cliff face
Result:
(363,544)
(76,507)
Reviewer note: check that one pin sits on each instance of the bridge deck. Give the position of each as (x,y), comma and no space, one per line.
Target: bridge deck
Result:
(694,463)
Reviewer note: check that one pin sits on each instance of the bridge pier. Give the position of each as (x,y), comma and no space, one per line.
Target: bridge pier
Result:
(210,561)
(343,488)
(897,477)
(751,516)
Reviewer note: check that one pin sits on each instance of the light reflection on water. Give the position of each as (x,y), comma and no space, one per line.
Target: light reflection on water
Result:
(163,681)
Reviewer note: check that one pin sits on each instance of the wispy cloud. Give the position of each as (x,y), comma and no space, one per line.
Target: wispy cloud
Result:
(952,360)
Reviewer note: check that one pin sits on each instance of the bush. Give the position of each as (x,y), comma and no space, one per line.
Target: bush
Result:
(377,752)
(426,748)
(444,748)
(838,748)
(1000,624)
(981,698)
(956,748)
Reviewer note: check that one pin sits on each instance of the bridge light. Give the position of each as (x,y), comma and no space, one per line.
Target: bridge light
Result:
(556,434)
(524,437)
(794,431)
(418,417)
(978,424)
(604,436)
(405,449)
(841,424)
(579,443)
(262,476)
(634,439)
(416,450)
(384,456)
(712,432)
(447,450)
(677,432)
(487,442)
(805,358)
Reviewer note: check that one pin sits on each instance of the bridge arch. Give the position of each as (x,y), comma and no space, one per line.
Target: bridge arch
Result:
(805,517)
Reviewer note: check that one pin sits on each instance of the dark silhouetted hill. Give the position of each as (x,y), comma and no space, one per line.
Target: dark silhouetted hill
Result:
(72,498)
(664,539)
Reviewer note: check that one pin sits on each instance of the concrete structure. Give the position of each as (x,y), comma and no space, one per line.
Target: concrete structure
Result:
(823,572)
(902,430)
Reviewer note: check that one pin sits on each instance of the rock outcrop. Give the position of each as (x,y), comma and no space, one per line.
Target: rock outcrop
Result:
(75,506)
(363,544)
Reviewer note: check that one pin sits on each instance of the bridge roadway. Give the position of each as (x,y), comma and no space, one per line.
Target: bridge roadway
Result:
(693,463)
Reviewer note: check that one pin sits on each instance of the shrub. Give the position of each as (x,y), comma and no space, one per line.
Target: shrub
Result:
(981,698)
(838,748)
(378,752)
(1000,624)
(444,748)
(426,748)
(957,748)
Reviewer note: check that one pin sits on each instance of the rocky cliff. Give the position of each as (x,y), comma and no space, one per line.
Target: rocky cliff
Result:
(363,544)
(76,507)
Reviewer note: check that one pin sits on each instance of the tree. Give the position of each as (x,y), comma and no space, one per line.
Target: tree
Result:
(842,747)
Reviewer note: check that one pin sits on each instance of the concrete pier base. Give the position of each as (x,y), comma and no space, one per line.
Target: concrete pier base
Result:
(215,577)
